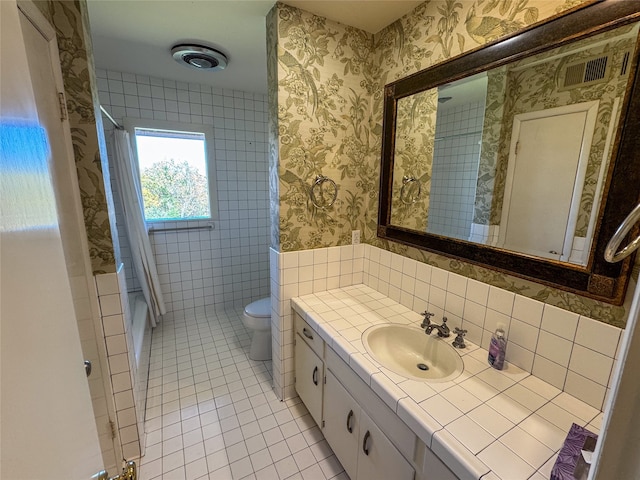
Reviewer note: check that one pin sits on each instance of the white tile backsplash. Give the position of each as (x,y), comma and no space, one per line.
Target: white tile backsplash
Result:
(597,336)
(560,322)
(457,284)
(540,336)
(590,363)
(500,300)
(549,371)
(477,292)
(520,356)
(587,390)
(554,348)
(528,310)
(523,334)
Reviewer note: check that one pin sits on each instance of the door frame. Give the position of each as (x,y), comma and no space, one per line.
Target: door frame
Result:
(591,108)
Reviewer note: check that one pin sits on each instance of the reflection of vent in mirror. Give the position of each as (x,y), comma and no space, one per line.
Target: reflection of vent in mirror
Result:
(587,72)
(624,69)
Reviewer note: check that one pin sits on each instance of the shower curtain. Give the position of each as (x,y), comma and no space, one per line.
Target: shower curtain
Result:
(128,184)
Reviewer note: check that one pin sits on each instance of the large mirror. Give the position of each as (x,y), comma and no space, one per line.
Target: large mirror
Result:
(513,156)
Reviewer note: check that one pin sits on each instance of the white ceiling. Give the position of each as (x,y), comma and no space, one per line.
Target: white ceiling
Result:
(136,36)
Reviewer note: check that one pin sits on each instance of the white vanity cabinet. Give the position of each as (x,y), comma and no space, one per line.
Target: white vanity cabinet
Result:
(363,450)
(368,438)
(309,368)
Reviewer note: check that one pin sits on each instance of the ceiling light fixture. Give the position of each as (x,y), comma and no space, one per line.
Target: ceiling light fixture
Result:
(199,57)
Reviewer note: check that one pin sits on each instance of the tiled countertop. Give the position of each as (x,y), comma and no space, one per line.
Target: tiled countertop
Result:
(486,423)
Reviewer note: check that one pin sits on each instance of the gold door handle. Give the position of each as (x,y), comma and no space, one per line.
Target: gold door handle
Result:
(129,472)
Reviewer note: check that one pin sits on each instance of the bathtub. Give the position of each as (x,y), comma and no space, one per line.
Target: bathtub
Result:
(140,329)
(139,322)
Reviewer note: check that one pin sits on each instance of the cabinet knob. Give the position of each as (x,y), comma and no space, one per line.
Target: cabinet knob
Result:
(315,376)
(349,417)
(365,446)
(307,334)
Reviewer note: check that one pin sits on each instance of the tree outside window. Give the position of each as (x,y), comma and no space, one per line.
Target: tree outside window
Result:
(173,174)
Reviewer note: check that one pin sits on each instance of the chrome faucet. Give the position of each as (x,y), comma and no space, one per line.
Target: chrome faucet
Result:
(443,330)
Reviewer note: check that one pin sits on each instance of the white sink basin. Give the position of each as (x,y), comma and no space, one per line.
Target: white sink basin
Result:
(409,352)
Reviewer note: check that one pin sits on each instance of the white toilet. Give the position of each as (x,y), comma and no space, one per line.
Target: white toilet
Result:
(257,318)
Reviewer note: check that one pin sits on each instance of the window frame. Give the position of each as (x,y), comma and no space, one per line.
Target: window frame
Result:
(130,125)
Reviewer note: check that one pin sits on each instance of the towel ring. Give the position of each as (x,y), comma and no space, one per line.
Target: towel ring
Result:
(611,253)
(408,198)
(322,203)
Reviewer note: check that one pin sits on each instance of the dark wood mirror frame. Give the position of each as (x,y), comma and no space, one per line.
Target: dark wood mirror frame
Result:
(599,279)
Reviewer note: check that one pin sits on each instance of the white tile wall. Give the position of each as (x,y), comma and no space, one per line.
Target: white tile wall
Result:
(456,157)
(125,379)
(572,352)
(228,264)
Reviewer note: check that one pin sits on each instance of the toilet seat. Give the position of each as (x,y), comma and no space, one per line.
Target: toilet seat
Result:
(259,309)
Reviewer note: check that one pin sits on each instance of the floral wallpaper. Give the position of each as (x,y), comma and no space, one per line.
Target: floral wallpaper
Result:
(325,80)
(272,98)
(413,159)
(70,21)
(330,85)
(491,132)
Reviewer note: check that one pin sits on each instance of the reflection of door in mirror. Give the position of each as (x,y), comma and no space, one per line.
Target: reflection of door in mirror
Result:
(545,178)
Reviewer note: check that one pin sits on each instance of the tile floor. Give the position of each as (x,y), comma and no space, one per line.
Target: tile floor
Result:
(211,412)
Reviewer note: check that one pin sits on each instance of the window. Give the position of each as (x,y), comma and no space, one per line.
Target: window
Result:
(175,174)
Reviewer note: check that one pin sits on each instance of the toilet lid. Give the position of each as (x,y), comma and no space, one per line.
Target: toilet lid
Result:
(259,308)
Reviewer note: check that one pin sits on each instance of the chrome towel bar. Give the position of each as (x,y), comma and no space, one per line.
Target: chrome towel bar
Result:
(411,196)
(611,253)
(180,229)
(321,201)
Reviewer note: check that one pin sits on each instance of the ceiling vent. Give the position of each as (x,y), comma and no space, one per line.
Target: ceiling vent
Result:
(586,72)
(593,70)
(624,69)
(199,57)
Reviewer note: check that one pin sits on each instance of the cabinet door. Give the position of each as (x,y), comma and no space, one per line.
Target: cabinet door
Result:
(309,378)
(341,423)
(378,459)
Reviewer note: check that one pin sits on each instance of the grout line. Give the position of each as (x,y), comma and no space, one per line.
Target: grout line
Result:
(239,402)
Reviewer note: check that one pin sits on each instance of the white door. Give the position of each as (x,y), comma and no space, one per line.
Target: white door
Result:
(544,180)
(48,427)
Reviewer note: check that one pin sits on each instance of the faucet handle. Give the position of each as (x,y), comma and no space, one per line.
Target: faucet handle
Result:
(427,319)
(459,340)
